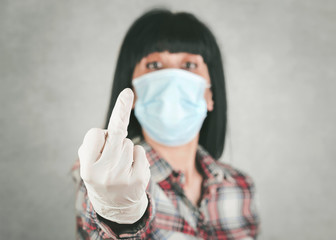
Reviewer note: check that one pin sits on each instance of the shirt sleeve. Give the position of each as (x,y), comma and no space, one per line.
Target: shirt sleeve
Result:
(92,226)
(249,209)
(254,213)
(245,201)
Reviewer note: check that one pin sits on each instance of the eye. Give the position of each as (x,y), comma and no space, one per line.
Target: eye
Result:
(189,65)
(154,65)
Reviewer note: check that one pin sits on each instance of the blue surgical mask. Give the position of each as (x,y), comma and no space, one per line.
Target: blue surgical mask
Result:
(170,105)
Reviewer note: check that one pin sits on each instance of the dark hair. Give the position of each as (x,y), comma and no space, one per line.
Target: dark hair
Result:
(161,30)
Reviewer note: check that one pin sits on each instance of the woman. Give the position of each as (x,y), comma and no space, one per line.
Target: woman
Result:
(170,185)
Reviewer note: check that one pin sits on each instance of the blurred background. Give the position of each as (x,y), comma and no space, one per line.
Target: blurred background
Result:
(57,59)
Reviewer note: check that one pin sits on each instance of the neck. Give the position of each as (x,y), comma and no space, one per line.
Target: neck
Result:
(181,158)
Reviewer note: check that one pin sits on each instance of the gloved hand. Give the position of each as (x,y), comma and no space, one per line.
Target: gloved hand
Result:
(115,172)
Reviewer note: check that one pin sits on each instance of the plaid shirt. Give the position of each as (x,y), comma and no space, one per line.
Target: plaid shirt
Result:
(226,209)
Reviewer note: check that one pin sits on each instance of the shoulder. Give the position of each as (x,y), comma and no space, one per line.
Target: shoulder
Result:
(75,172)
(236,176)
(230,175)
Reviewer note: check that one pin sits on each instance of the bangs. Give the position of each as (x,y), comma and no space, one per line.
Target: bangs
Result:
(158,32)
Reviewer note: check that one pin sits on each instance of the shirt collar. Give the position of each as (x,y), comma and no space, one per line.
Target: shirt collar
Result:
(161,169)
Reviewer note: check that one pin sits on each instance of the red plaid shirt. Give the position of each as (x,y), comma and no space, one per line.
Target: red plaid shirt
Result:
(226,209)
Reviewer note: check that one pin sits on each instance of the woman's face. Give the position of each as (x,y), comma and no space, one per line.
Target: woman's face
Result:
(186,61)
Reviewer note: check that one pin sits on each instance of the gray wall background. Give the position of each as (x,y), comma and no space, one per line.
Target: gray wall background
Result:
(57,59)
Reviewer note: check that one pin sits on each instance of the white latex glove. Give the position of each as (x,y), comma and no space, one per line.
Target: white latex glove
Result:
(115,172)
